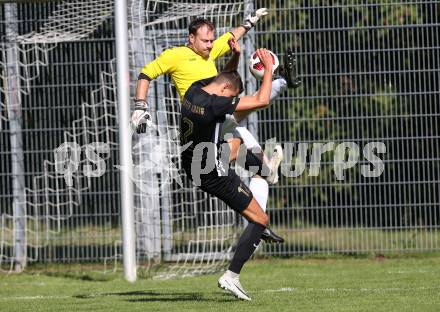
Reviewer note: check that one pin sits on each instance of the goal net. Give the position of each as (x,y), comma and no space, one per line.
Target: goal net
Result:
(63,217)
(46,204)
(175,222)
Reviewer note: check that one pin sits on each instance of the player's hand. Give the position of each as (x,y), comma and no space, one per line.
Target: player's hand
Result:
(266,59)
(234,45)
(141,118)
(253,18)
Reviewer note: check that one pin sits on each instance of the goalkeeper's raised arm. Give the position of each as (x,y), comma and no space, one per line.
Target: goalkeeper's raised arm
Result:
(249,22)
(235,58)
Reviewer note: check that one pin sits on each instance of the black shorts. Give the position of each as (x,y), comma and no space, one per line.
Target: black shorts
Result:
(229,189)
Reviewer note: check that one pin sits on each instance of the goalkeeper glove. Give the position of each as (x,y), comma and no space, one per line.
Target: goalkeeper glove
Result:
(141,118)
(253,18)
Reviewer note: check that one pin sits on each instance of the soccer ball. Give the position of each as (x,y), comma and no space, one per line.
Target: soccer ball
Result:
(257,68)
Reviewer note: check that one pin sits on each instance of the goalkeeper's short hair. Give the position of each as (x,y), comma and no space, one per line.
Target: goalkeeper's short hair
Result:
(199,22)
(231,76)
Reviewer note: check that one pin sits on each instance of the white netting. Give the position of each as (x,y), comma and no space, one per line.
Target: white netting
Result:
(29,58)
(176,12)
(72,20)
(50,201)
(176,223)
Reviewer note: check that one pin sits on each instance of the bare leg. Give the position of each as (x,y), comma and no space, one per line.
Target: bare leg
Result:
(254,213)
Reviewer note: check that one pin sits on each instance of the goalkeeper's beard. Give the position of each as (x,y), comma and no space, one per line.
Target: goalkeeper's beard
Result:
(202,53)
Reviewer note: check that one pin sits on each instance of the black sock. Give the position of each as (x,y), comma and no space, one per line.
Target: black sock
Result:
(255,164)
(247,244)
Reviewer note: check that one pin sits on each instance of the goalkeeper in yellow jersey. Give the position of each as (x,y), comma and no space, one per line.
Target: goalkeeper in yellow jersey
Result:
(196,61)
(190,63)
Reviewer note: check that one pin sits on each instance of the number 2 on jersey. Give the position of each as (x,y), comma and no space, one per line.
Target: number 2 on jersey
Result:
(187,129)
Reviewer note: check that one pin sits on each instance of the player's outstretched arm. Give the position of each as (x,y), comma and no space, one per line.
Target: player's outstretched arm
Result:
(262,97)
(248,23)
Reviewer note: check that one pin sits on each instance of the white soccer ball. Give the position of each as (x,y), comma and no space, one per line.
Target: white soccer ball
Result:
(257,68)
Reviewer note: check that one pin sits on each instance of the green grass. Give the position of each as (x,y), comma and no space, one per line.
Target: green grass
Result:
(345,284)
(300,237)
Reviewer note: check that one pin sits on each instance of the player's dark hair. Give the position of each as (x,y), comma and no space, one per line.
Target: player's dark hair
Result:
(199,22)
(233,77)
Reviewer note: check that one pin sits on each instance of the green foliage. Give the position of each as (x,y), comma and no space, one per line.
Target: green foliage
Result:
(363,67)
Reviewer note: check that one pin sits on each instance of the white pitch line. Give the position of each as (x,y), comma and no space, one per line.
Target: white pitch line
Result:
(35,297)
(412,272)
(283,289)
(291,289)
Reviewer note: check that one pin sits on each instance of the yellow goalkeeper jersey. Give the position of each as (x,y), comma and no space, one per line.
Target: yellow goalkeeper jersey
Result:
(185,66)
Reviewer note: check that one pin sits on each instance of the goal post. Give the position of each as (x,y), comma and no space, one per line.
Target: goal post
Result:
(16,137)
(123,96)
(177,224)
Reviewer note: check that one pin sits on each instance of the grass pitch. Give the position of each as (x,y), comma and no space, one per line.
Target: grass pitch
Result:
(405,284)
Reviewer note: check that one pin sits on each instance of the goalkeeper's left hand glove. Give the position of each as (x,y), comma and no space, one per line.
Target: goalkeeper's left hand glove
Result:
(141,118)
(253,18)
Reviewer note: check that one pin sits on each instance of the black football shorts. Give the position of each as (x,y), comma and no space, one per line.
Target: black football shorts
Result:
(230,189)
